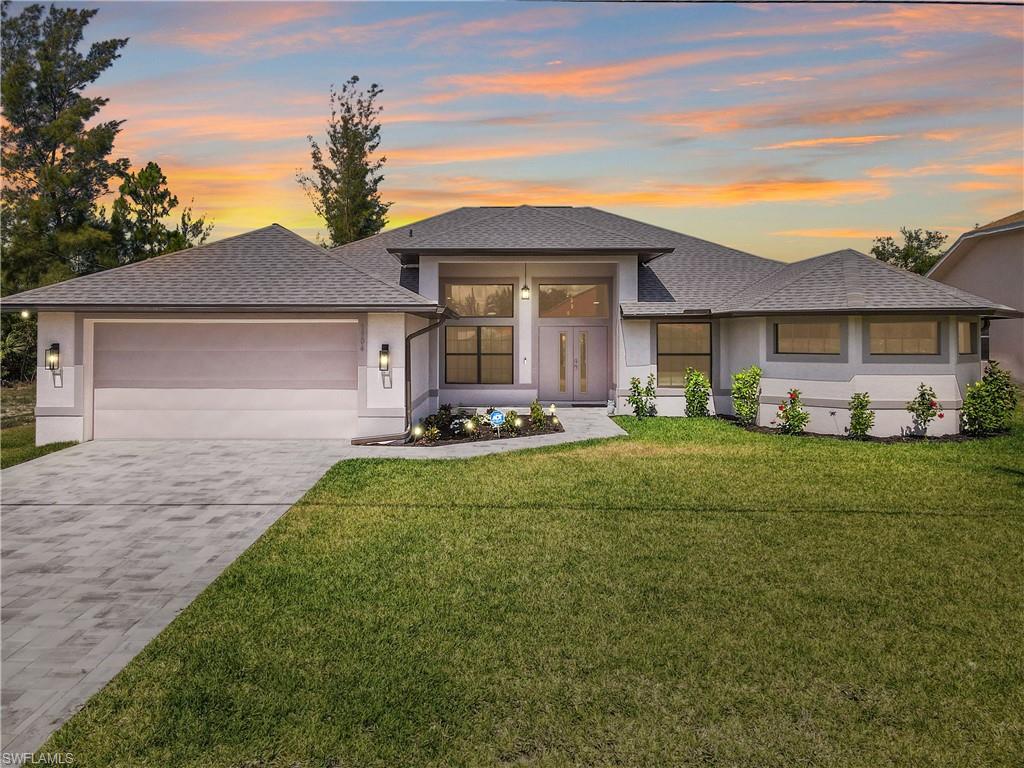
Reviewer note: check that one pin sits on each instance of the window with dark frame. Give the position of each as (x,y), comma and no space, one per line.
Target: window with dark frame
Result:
(966,337)
(478,354)
(808,338)
(985,338)
(682,346)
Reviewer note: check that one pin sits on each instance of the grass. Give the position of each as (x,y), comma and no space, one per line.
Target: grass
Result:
(17,426)
(692,594)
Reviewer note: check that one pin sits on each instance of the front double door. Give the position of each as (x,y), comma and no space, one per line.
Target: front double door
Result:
(574,363)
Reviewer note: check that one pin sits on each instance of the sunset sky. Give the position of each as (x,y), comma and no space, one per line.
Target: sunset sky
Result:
(787,131)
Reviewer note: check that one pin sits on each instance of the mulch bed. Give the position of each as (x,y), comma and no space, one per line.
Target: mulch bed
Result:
(959,438)
(483,434)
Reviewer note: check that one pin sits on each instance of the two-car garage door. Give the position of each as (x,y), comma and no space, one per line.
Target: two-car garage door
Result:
(224,379)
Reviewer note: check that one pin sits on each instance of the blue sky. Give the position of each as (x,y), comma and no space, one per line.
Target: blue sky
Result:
(787,131)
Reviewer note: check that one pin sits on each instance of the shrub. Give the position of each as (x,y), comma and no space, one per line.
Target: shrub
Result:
(862,419)
(510,421)
(924,408)
(746,394)
(698,390)
(792,418)
(537,419)
(989,403)
(641,397)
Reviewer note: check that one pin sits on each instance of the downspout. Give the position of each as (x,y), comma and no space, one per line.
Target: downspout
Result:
(405,436)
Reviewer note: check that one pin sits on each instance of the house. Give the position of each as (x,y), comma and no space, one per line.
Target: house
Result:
(266,335)
(989,261)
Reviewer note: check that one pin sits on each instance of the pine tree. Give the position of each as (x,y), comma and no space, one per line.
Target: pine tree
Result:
(343,185)
(55,168)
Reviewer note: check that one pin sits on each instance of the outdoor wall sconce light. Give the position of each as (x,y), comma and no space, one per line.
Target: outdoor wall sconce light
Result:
(24,314)
(524,293)
(53,357)
(384,359)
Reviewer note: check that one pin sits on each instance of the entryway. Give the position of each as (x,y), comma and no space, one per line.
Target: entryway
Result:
(574,363)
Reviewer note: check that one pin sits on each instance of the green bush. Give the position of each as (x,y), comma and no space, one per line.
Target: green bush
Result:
(792,418)
(641,398)
(746,394)
(698,390)
(989,404)
(862,418)
(537,419)
(924,408)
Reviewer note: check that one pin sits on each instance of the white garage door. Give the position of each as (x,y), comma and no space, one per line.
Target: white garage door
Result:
(225,379)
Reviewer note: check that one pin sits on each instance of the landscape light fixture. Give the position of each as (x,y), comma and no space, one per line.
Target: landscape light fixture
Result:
(53,357)
(384,359)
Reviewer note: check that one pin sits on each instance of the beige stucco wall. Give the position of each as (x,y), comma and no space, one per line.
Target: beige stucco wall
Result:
(994,268)
(826,385)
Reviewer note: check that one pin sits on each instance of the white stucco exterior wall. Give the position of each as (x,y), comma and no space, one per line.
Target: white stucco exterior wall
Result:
(59,395)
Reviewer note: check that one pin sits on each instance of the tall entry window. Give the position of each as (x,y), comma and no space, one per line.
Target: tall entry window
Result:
(479,299)
(682,346)
(574,300)
(478,354)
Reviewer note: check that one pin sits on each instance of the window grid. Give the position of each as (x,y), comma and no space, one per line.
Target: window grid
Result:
(681,346)
(804,338)
(484,354)
(915,337)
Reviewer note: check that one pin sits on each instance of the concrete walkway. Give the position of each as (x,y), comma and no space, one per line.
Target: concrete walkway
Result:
(104,543)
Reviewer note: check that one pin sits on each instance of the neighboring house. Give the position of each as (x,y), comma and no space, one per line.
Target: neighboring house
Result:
(989,261)
(266,335)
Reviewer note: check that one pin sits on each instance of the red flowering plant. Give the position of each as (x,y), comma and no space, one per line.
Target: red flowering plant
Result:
(924,408)
(792,417)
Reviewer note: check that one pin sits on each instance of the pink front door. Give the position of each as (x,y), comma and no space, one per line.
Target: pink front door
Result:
(574,363)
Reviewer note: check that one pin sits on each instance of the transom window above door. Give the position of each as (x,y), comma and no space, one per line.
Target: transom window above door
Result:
(582,300)
(479,299)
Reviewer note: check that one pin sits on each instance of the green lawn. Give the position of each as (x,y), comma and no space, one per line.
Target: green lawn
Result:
(17,426)
(692,594)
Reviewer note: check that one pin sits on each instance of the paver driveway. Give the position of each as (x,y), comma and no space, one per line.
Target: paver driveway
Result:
(104,543)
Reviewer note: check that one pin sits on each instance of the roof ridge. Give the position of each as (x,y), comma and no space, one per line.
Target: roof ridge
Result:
(468,223)
(800,269)
(948,289)
(397,229)
(335,258)
(340,258)
(677,232)
(150,260)
(589,226)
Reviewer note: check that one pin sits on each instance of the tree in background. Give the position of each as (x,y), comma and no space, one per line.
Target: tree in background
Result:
(139,212)
(920,250)
(55,168)
(343,185)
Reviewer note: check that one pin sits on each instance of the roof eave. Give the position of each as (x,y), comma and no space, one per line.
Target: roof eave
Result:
(983,311)
(408,255)
(966,241)
(431,310)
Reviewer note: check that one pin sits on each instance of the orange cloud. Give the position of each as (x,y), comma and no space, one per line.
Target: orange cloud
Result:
(219,27)
(468,190)
(591,81)
(979,186)
(1010,168)
(828,233)
(524,22)
(833,141)
(439,154)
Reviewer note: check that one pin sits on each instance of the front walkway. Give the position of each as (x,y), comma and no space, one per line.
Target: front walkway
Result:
(104,543)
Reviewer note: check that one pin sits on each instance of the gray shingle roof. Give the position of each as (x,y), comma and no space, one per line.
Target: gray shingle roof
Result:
(849,281)
(524,228)
(269,267)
